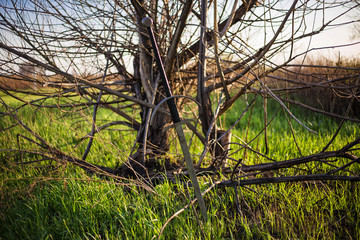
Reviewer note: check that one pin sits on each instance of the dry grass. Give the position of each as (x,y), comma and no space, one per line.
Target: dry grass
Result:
(324,84)
(17,82)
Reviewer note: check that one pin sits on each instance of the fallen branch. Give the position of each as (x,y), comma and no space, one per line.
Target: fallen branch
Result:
(300,178)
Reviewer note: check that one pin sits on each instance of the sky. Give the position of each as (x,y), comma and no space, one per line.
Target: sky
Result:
(325,44)
(334,36)
(337,36)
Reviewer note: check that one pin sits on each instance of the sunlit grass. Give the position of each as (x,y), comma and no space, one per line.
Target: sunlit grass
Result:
(37,203)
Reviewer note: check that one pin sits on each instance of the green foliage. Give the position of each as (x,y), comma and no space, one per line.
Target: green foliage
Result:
(36,203)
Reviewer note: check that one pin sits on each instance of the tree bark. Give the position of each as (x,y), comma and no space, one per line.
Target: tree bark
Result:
(156,142)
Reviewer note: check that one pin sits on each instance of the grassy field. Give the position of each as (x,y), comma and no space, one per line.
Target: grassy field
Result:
(64,203)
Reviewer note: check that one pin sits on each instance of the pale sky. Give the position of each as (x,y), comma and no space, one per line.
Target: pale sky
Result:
(336,36)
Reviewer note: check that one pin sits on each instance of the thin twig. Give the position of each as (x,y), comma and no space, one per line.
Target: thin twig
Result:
(184,208)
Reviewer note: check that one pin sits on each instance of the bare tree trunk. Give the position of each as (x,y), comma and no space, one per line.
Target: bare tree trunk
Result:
(65,46)
(156,142)
(206,114)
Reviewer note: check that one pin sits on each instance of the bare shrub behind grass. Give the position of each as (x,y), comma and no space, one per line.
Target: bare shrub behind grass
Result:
(322,83)
(15,82)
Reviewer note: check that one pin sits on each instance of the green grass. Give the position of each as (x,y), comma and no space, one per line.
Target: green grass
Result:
(36,203)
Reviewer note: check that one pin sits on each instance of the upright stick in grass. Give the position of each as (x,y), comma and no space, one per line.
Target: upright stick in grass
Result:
(176,119)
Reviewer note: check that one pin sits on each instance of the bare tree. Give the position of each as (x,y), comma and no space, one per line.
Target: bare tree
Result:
(249,45)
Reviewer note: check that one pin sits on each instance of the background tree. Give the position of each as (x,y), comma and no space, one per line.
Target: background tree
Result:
(100,52)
